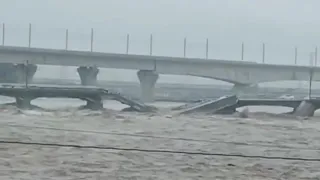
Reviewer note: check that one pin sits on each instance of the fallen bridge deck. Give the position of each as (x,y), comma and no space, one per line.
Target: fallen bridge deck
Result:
(229,104)
(93,95)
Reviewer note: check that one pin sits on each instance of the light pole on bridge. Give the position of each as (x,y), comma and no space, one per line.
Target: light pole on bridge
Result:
(207,48)
(316,56)
(242,51)
(312,61)
(67,38)
(310,82)
(263,52)
(295,56)
(91,46)
(3,33)
(128,42)
(29,45)
(185,47)
(150,45)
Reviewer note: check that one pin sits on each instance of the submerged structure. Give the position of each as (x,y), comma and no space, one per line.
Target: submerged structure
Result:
(94,96)
(229,104)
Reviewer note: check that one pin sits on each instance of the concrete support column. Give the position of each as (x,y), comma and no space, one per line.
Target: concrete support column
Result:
(147,80)
(88,75)
(305,109)
(94,103)
(20,72)
(244,88)
(7,73)
(23,102)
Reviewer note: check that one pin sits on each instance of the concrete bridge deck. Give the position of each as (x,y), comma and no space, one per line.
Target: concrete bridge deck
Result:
(161,64)
(301,107)
(92,95)
(241,74)
(229,104)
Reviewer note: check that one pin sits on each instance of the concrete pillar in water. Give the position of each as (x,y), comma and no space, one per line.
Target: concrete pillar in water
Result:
(244,88)
(94,103)
(23,71)
(88,75)
(148,79)
(305,109)
(23,102)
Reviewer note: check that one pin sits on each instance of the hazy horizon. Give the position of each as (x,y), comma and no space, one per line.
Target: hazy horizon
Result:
(282,25)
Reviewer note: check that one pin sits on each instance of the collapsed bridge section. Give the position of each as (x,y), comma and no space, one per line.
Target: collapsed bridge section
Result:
(92,95)
(229,104)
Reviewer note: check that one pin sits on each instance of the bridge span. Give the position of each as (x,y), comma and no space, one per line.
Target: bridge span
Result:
(240,73)
(229,104)
(92,95)
(301,107)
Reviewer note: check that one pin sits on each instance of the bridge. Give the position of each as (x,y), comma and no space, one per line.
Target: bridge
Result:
(92,95)
(241,74)
(229,104)
(301,107)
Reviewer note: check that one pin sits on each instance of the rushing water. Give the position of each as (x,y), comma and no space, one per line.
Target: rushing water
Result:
(261,134)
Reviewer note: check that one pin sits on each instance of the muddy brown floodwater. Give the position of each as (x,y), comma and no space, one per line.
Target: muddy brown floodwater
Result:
(259,135)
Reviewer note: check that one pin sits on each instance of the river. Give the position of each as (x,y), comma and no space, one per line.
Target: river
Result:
(262,134)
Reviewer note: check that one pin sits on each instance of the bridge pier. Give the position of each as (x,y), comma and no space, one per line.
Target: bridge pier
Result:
(6,73)
(94,103)
(306,109)
(22,70)
(16,73)
(23,102)
(88,75)
(148,79)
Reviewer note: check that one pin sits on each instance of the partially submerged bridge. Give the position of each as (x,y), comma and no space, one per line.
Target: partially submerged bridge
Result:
(92,95)
(229,104)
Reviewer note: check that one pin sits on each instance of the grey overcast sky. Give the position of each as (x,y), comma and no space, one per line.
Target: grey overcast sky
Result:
(280,24)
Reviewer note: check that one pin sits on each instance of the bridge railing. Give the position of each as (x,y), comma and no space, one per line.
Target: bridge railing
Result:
(159,43)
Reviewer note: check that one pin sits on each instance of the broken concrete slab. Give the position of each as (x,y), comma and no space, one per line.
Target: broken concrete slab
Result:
(305,109)
(134,104)
(210,106)
(192,104)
